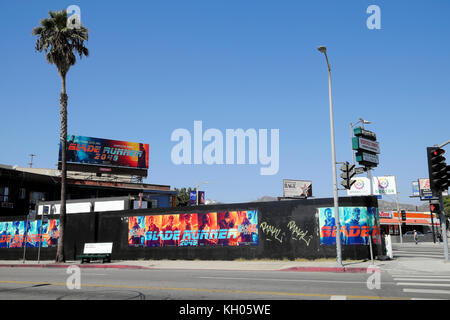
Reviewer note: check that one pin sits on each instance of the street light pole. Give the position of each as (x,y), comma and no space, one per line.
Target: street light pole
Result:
(333,160)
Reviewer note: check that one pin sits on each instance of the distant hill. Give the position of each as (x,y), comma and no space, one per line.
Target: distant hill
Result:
(265,199)
(392,206)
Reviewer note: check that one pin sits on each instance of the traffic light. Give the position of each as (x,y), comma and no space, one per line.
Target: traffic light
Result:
(403,212)
(347,174)
(437,170)
(434,208)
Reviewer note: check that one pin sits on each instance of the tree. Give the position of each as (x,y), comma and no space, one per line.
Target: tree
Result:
(183,196)
(446,201)
(61,42)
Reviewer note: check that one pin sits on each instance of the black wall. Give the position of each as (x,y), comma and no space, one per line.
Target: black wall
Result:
(287,230)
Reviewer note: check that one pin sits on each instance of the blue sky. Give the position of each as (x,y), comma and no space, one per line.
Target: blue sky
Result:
(156,66)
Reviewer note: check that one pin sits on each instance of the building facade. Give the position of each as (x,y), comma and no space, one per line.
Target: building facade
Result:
(22,188)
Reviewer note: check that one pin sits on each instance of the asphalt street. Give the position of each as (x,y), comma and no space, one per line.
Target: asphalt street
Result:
(417,272)
(35,283)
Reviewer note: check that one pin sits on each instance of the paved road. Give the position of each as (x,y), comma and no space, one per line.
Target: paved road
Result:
(417,272)
(41,283)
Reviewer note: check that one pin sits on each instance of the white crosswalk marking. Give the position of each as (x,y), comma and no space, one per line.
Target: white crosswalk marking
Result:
(424,284)
(427,291)
(421,279)
(338,298)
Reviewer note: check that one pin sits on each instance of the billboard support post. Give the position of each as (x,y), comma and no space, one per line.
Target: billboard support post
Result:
(371,250)
(25,244)
(398,210)
(40,237)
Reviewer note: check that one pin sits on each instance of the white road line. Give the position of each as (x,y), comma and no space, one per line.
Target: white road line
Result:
(407,255)
(427,291)
(420,251)
(423,284)
(403,275)
(426,299)
(338,298)
(291,280)
(421,279)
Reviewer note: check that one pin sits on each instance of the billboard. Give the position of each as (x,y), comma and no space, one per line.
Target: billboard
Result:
(357,223)
(193,197)
(227,228)
(380,186)
(104,155)
(384,185)
(415,189)
(297,188)
(360,188)
(425,189)
(12,233)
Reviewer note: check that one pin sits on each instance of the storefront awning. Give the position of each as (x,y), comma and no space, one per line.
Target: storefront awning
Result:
(389,221)
(408,221)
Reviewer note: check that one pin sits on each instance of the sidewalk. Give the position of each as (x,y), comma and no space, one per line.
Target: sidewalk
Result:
(397,265)
(324,265)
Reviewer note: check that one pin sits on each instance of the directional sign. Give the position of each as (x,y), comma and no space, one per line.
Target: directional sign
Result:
(365,144)
(359,170)
(366,147)
(367,158)
(358,131)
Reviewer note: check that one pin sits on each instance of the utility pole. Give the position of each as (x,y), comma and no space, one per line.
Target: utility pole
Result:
(31,161)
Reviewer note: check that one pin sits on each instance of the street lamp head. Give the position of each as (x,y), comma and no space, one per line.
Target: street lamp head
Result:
(365,121)
(322,49)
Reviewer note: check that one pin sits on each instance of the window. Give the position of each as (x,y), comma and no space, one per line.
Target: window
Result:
(22,193)
(36,196)
(4,192)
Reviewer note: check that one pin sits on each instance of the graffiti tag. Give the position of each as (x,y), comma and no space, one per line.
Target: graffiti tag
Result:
(272,231)
(276,233)
(298,233)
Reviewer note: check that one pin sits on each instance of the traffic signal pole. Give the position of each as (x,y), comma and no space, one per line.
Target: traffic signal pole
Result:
(439,182)
(443,228)
(443,219)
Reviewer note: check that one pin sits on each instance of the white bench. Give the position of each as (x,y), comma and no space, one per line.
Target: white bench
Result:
(96,251)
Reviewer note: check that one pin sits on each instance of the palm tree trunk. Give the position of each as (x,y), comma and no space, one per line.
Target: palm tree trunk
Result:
(62,217)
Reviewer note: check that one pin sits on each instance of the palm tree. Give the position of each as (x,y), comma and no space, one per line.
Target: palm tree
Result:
(61,44)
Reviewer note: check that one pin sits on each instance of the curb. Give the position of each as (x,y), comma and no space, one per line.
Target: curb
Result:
(86,266)
(134,267)
(332,269)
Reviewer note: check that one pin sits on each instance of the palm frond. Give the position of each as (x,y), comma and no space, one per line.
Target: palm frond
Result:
(60,43)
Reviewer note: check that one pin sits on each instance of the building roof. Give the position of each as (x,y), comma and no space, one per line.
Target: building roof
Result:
(44,175)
